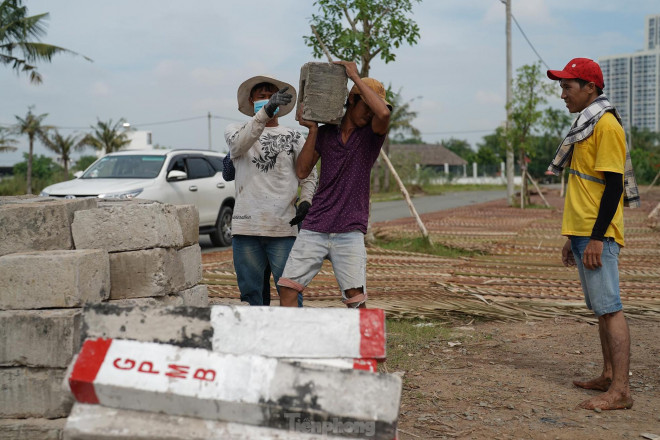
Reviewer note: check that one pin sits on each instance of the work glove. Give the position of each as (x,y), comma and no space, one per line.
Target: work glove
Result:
(277,99)
(301,212)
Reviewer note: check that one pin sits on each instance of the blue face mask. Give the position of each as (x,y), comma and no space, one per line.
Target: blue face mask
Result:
(259,104)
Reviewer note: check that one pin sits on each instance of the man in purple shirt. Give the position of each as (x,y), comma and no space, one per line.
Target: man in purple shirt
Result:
(337,220)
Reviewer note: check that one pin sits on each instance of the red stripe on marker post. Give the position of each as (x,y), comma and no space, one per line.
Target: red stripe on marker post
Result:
(365,364)
(372,333)
(86,368)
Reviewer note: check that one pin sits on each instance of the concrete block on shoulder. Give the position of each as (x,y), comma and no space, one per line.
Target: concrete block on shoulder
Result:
(31,429)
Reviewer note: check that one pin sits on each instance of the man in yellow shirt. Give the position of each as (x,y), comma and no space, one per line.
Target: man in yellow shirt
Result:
(595,149)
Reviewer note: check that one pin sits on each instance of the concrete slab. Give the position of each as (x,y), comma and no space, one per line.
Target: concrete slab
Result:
(38,223)
(39,338)
(33,392)
(323,92)
(128,227)
(145,273)
(94,422)
(196,296)
(266,331)
(54,279)
(31,429)
(250,390)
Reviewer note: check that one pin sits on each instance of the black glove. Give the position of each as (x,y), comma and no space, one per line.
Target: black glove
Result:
(277,99)
(301,212)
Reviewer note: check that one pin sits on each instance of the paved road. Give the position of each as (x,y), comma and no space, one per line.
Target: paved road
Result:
(383,211)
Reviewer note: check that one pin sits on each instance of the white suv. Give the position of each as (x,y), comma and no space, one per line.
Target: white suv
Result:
(179,177)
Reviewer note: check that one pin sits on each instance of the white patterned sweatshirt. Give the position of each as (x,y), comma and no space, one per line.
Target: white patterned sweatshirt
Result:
(266,181)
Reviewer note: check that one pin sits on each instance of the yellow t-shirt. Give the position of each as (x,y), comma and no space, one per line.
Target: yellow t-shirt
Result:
(604,150)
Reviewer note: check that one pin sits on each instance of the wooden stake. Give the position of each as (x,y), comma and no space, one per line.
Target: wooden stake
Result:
(538,189)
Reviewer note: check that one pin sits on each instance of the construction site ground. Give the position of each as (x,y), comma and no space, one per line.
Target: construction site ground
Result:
(505,331)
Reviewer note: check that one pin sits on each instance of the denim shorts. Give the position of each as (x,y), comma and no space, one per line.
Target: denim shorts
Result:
(345,251)
(601,285)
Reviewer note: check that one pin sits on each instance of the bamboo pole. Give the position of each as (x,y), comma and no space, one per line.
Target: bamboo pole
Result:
(538,189)
(386,159)
(652,183)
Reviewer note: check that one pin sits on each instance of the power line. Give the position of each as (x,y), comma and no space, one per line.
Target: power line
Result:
(143,124)
(525,36)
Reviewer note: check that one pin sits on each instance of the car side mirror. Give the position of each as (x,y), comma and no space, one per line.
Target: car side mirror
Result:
(176,175)
(77,174)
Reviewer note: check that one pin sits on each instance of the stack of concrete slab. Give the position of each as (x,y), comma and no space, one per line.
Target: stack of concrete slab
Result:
(53,261)
(154,253)
(44,283)
(252,372)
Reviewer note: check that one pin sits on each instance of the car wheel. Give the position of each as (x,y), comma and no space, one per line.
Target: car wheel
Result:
(222,235)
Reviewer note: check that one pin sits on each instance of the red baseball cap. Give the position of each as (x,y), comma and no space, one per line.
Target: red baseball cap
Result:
(580,68)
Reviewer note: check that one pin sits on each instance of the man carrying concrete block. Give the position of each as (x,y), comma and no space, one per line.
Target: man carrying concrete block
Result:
(337,221)
(251,390)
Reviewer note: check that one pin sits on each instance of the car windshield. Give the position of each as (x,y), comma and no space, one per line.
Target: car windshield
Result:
(130,166)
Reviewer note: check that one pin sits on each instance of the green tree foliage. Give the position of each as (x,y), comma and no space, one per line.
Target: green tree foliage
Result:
(6,141)
(108,137)
(530,92)
(32,127)
(20,39)
(63,146)
(84,162)
(645,154)
(493,146)
(361,30)
(460,147)
(45,170)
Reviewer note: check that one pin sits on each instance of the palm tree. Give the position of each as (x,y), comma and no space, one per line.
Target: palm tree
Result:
(17,30)
(63,146)
(107,136)
(6,142)
(31,126)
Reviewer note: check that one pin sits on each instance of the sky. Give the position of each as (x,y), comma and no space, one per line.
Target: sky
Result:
(164,65)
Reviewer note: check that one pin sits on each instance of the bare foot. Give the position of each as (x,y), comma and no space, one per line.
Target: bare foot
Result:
(600,383)
(608,401)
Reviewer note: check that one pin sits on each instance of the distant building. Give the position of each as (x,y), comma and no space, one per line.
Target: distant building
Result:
(632,81)
(434,156)
(140,140)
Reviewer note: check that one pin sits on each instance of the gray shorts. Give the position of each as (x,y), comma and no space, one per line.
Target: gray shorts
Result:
(345,251)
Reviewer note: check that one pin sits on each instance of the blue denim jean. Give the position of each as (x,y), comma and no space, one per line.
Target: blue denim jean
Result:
(601,285)
(252,255)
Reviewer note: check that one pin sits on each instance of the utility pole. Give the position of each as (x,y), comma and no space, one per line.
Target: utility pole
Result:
(509,147)
(210,131)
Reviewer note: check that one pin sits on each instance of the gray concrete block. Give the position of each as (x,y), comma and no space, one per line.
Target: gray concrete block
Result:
(128,227)
(48,279)
(39,338)
(189,221)
(196,296)
(32,429)
(38,223)
(94,422)
(323,92)
(183,326)
(191,261)
(33,392)
(145,273)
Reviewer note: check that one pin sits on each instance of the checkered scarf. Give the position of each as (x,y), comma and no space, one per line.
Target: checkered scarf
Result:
(578,133)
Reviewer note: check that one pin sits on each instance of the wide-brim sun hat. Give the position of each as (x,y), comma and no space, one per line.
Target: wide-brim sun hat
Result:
(243,94)
(374,85)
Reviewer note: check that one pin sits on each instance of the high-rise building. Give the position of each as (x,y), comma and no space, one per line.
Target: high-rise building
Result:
(632,81)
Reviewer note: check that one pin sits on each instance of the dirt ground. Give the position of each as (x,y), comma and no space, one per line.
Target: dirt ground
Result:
(495,380)
(488,379)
